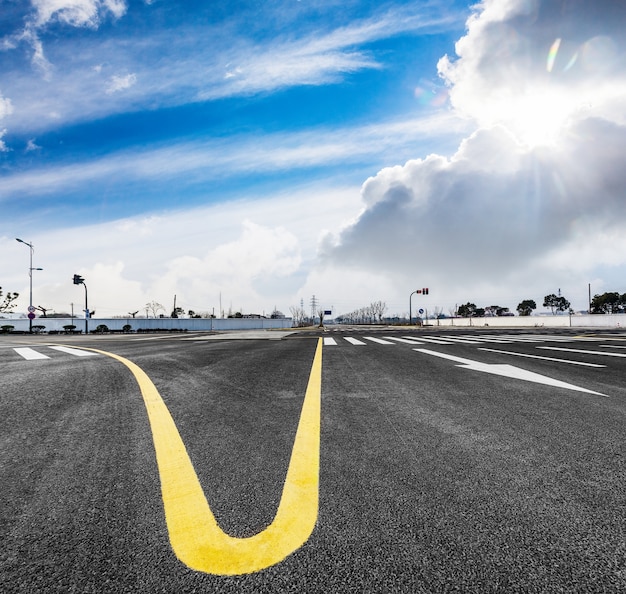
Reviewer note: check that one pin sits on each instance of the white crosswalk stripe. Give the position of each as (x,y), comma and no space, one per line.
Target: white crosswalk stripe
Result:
(31,354)
(72,351)
(378,340)
(405,340)
(436,340)
(470,339)
(354,341)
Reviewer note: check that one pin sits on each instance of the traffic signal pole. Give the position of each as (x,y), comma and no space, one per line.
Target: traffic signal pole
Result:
(79,280)
(423,291)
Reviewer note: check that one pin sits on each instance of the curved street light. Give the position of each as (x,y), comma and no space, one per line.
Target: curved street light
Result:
(410,310)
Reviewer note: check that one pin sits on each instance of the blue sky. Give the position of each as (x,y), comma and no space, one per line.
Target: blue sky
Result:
(257,154)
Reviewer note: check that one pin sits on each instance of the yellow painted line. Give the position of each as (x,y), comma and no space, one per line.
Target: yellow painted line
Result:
(195,536)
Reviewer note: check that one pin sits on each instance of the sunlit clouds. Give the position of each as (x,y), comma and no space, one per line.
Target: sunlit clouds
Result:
(511,73)
(531,197)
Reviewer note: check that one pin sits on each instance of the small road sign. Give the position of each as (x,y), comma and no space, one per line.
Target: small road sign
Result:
(31,308)
(31,316)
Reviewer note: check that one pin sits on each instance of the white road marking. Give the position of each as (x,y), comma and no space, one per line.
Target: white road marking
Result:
(509,371)
(404,340)
(611,346)
(30,354)
(436,340)
(75,352)
(542,358)
(353,340)
(378,340)
(328,341)
(584,352)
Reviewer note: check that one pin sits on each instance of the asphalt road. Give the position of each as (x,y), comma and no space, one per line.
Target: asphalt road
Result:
(467,461)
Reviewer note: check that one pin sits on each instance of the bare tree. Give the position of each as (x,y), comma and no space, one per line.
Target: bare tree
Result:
(7,304)
(154,308)
(378,310)
(298,316)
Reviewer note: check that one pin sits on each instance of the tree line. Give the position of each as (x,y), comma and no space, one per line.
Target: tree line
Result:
(556,303)
(609,303)
(369,314)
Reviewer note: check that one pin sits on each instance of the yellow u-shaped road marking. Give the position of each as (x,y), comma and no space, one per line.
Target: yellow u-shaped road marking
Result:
(195,536)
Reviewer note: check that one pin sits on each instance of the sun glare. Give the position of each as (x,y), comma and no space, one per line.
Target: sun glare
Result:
(537,119)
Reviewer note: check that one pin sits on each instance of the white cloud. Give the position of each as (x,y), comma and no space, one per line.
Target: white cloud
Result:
(6,107)
(507,216)
(516,67)
(31,145)
(177,66)
(120,83)
(254,253)
(218,159)
(3,146)
(76,13)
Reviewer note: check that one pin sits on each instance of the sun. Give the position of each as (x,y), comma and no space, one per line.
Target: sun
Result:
(539,117)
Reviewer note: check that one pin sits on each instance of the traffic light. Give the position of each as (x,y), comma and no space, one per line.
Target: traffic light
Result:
(425,291)
(78,280)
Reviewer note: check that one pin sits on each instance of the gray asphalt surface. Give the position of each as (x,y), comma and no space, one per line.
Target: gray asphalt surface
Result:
(433,477)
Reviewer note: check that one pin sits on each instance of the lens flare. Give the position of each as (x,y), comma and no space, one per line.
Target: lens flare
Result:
(554,50)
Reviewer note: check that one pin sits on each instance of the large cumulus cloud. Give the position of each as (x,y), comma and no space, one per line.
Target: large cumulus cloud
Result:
(540,179)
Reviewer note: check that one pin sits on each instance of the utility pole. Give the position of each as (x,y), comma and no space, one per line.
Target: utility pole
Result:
(313,307)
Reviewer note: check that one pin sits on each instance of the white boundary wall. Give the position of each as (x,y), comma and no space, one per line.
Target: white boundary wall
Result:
(152,324)
(559,321)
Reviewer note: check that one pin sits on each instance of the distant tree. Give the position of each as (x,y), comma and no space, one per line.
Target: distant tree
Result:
(378,310)
(298,316)
(608,303)
(556,303)
(525,308)
(496,310)
(178,311)
(7,304)
(154,308)
(320,314)
(467,311)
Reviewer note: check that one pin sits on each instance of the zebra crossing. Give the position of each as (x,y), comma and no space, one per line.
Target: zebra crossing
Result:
(471,339)
(42,353)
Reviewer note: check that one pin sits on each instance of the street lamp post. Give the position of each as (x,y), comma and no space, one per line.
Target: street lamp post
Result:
(30,280)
